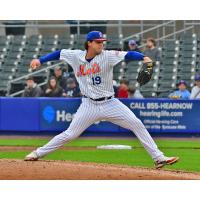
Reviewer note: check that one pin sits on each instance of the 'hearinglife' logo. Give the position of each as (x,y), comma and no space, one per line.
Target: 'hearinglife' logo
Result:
(50,115)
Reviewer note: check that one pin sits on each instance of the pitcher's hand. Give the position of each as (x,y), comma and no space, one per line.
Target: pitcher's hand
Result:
(147,59)
(35,64)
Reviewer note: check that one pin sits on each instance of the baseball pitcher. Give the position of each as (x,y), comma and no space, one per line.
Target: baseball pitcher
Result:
(93,69)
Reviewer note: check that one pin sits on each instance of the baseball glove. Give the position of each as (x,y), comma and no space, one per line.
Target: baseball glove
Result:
(145,74)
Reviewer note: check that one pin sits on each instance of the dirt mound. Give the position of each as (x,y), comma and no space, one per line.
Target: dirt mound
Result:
(68,170)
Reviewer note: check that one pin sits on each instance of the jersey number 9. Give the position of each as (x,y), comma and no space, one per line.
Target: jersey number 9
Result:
(96,80)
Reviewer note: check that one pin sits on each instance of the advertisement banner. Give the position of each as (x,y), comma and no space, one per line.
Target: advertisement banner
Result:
(163,115)
(57,114)
(19,114)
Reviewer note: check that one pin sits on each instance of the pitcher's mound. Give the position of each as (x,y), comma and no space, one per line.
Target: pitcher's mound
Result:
(68,170)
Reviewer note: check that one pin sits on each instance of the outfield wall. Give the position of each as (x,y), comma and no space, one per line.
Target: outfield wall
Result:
(160,116)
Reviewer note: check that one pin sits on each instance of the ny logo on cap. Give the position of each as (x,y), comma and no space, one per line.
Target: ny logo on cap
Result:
(100,34)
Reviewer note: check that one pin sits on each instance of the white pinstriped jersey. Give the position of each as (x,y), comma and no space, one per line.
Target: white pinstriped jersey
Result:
(95,78)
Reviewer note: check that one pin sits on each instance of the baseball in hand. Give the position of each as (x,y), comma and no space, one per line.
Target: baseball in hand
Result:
(147,59)
(35,63)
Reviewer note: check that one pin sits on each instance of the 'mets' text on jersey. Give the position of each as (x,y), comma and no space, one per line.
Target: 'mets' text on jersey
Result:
(95,78)
(83,70)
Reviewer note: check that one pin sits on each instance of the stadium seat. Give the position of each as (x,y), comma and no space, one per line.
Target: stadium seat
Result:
(149,94)
(180,60)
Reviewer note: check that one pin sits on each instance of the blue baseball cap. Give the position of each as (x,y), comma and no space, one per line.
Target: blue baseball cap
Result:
(197,78)
(96,36)
(182,82)
(132,42)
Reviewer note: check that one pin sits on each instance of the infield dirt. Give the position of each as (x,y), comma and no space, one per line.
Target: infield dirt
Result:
(67,170)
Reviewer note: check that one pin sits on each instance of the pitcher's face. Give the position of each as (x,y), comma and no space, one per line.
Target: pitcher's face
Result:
(96,46)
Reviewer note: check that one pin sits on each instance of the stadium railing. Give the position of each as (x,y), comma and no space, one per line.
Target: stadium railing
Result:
(46,69)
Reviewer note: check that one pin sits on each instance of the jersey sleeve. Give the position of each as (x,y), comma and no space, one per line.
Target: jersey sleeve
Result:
(68,56)
(115,57)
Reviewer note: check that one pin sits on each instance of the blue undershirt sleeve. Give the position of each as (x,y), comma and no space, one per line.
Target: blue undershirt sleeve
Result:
(133,55)
(51,56)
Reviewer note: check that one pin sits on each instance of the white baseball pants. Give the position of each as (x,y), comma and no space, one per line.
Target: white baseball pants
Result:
(110,110)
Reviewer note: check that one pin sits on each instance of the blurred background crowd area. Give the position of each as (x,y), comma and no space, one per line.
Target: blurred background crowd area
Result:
(173,45)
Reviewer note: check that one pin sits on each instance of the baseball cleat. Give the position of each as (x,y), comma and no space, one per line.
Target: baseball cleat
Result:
(167,161)
(31,157)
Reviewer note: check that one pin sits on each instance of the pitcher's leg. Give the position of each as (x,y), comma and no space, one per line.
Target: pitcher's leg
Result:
(121,115)
(82,120)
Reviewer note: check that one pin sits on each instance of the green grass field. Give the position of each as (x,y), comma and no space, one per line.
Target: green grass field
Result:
(187,150)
